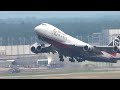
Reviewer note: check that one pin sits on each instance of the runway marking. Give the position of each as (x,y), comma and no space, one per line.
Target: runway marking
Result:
(20,76)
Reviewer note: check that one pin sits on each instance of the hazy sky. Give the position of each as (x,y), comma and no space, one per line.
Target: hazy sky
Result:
(59,14)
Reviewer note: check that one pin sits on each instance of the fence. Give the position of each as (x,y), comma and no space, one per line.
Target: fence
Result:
(22,45)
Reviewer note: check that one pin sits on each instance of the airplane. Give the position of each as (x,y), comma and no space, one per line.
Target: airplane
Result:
(77,50)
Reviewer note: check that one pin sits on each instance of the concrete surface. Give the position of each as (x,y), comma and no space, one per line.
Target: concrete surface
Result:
(83,75)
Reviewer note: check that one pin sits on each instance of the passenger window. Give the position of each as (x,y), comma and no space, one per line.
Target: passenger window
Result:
(43,24)
(59,35)
(66,38)
(55,32)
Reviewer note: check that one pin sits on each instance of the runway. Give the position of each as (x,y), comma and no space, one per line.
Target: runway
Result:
(83,75)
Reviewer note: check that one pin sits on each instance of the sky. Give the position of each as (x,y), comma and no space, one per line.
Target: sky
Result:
(56,14)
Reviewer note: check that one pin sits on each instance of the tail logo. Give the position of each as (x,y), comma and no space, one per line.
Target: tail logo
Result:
(116,42)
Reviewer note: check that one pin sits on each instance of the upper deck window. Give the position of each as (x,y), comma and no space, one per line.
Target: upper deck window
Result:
(43,24)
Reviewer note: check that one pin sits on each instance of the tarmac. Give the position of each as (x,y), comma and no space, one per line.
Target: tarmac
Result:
(81,75)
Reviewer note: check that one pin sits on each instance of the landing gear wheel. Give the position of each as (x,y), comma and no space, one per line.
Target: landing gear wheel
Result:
(79,59)
(60,56)
(72,60)
(61,59)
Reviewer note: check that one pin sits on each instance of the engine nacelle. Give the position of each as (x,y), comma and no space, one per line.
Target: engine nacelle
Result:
(88,48)
(33,47)
(36,48)
(39,48)
(116,49)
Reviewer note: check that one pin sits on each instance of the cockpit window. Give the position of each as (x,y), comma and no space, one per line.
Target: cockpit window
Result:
(43,24)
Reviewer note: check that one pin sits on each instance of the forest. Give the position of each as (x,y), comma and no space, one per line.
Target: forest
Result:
(23,27)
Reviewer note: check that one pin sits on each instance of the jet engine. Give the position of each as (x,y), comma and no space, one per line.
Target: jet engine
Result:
(35,48)
(88,48)
(39,48)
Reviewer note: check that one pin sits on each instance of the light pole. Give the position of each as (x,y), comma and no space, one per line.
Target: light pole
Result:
(23,44)
(12,46)
(0,41)
(88,38)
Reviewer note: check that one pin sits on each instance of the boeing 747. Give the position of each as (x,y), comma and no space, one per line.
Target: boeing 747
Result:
(77,50)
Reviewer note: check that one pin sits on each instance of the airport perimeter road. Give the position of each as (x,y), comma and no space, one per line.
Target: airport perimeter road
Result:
(84,75)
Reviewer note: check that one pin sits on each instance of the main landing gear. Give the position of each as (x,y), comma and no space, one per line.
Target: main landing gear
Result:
(61,58)
(72,59)
(79,59)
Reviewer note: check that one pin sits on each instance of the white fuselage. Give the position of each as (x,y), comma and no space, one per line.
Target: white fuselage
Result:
(69,46)
(55,34)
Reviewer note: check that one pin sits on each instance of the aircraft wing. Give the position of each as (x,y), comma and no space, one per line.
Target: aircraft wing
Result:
(104,48)
(95,50)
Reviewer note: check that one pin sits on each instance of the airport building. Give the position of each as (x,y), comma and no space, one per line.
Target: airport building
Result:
(6,63)
(23,56)
(42,62)
(109,34)
(30,62)
(103,38)
(15,50)
(95,39)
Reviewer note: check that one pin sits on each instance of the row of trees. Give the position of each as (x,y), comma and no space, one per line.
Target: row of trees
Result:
(72,26)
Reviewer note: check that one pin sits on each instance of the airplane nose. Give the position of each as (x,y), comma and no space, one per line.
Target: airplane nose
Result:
(36,28)
(40,28)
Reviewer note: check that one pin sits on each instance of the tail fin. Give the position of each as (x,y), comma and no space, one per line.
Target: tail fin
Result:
(115,42)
